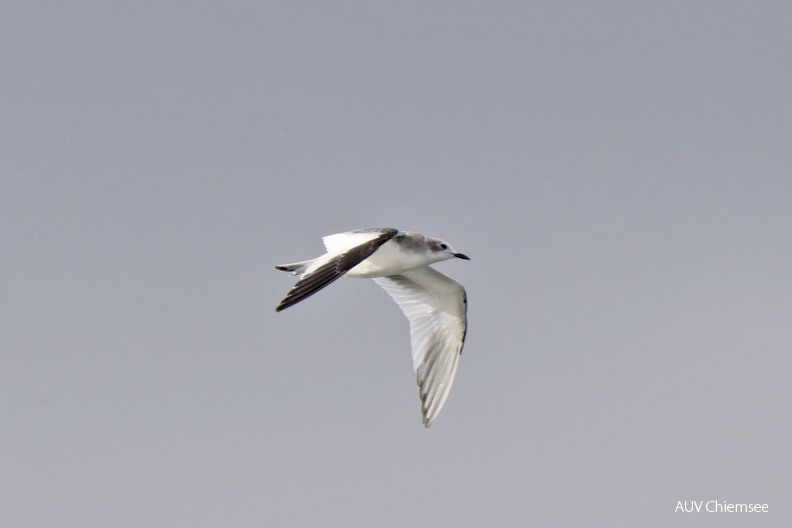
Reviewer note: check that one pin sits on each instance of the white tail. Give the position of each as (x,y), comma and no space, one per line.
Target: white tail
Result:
(296,268)
(306,266)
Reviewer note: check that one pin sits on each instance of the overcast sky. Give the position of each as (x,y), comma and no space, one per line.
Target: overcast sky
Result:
(618,172)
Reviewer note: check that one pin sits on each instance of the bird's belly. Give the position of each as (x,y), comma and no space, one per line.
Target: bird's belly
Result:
(387,261)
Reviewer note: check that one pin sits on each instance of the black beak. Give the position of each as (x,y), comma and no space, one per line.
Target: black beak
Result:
(460,255)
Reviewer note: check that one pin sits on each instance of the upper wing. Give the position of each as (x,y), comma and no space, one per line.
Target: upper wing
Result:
(343,242)
(334,265)
(437,309)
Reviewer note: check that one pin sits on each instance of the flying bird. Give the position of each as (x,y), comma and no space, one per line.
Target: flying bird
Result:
(399,261)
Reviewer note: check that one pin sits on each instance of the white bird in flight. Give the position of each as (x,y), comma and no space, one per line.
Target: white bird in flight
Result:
(435,305)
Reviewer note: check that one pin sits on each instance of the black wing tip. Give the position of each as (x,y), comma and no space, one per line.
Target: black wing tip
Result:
(288,302)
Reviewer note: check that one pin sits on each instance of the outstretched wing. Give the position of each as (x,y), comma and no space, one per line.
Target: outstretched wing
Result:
(436,306)
(335,265)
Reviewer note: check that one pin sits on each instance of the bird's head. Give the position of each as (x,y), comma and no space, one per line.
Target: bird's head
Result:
(444,251)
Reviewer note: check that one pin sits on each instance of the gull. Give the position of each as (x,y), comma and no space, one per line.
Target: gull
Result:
(398,261)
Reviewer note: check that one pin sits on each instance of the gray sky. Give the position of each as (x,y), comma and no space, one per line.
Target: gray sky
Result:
(618,172)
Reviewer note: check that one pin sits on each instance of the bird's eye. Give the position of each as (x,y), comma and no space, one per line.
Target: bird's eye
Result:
(443,246)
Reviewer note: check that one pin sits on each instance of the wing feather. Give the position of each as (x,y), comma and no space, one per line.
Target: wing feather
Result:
(343,242)
(436,307)
(335,267)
